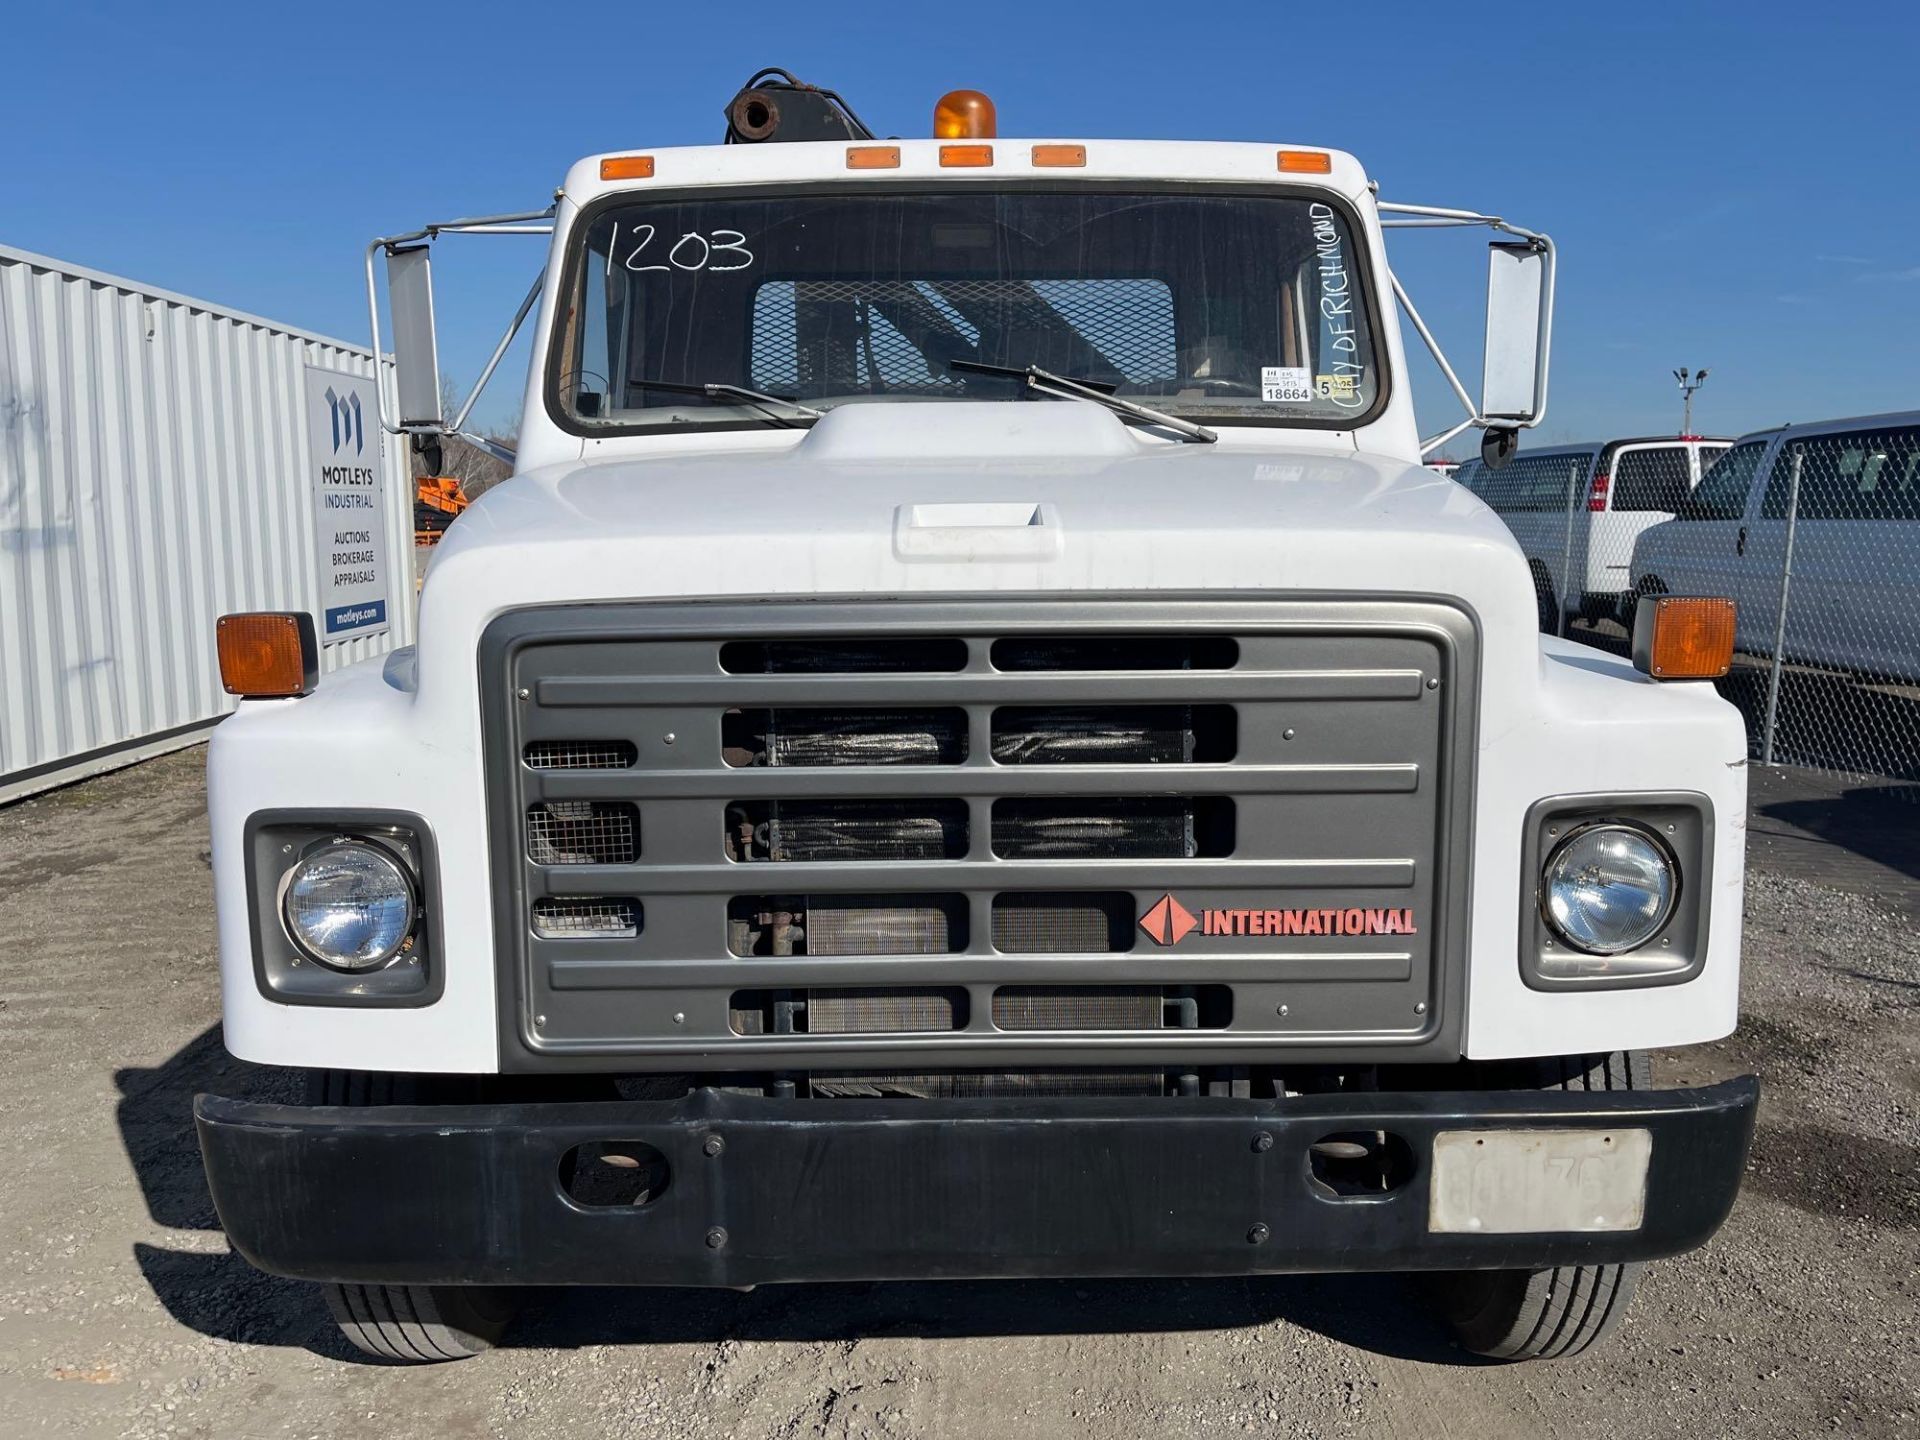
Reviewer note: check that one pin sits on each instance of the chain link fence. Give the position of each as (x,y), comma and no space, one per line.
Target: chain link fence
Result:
(1814,531)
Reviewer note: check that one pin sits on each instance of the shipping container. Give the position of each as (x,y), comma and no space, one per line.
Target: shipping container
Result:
(156,472)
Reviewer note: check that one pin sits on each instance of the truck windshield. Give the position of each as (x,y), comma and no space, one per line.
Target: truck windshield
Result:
(1228,308)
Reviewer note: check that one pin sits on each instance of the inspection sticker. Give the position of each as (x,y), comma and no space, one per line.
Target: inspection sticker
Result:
(1336,387)
(1286,384)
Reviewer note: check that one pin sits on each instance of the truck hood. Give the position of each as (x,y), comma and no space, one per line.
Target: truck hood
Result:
(893,499)
(912,497)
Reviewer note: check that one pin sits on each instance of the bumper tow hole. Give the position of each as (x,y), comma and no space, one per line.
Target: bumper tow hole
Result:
(613,1174)
(1353,1163)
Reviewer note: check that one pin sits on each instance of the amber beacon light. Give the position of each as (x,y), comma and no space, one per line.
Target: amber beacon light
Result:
(964,115)
(1683,637)
(268,655)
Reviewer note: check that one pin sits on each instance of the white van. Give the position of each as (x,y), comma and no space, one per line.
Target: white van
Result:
(1856,542)
(1577,510)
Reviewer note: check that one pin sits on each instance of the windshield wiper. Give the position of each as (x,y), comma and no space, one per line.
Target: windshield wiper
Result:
(759,399)
(1045,382)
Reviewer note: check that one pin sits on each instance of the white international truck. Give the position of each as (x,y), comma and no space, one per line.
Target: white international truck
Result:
(972,746)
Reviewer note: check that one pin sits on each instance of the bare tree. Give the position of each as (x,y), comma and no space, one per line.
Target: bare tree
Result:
(476,470)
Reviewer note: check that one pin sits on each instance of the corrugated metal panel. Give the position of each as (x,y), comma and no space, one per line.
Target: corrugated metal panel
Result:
(151,479)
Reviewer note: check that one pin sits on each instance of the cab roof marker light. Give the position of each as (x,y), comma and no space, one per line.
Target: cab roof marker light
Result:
(1064,156)
(966,156)
(873,157)
(1305,162)
(627,167)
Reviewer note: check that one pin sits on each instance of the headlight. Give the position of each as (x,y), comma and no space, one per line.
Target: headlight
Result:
(349,904)
(1608,889)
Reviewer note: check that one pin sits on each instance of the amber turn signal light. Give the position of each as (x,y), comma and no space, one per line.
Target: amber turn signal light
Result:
(627,167)
(268,655)
(1683,637)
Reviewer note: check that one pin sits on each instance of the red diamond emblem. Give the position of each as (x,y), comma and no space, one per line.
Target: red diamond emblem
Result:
(1168,922)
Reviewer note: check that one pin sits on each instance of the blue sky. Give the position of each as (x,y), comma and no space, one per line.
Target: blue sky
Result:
(1731,185)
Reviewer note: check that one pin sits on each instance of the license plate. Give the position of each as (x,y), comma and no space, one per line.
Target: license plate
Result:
(1523,1182)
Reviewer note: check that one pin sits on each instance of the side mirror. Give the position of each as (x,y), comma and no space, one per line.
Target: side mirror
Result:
(1513,385)
(1497,444)
(415,354)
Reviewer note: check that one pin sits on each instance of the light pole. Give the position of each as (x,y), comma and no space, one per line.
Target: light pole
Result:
(1687,387)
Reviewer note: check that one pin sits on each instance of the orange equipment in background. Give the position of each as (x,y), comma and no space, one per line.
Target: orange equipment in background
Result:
(437,501)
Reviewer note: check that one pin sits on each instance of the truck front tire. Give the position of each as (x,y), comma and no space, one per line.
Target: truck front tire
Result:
(418,1324)
(409,1324)
(1556,1313)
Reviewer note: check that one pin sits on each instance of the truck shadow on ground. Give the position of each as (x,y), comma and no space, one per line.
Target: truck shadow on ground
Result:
(216,1293)
(1880,823)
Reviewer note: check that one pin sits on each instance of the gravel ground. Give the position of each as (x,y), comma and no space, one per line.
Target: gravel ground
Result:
(123,1313)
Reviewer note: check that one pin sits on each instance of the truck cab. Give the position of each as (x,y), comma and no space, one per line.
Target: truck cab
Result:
(973,745)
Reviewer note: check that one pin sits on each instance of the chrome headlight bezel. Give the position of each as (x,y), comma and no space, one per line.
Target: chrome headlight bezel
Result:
(1662,856)
(1680,823)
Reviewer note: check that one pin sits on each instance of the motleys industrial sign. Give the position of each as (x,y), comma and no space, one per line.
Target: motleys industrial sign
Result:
(349,503)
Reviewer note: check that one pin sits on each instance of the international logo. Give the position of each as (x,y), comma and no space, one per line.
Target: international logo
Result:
(1168,922)
(345,413)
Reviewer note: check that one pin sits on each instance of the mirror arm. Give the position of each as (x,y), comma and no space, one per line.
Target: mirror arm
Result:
(519,222)
(1433,348)
(1441,217)
(1543,362)
(373,317)
(503,453)
(459,424)
(1427,447)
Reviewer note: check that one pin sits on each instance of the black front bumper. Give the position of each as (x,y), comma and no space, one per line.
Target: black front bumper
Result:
(870,1190)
